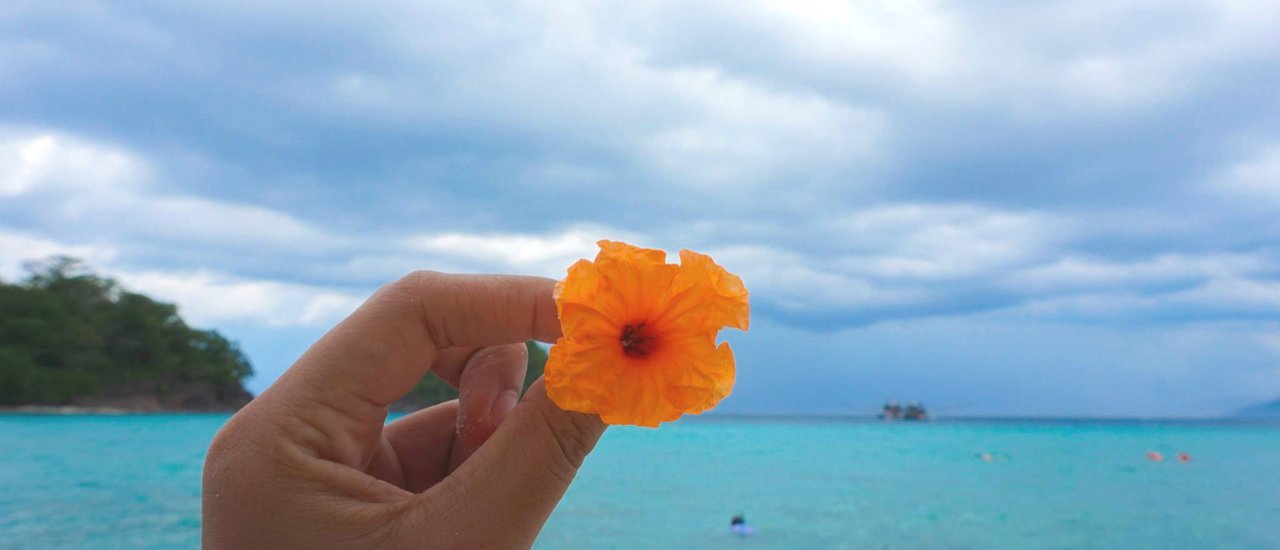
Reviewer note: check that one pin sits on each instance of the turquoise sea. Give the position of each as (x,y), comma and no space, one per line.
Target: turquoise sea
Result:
(134,482)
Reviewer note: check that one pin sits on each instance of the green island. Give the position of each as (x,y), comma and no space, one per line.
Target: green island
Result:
(432,389)
(76,341)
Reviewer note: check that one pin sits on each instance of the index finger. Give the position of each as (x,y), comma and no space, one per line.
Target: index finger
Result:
(378,353)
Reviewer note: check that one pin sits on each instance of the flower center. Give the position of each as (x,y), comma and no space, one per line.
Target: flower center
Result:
(636,340)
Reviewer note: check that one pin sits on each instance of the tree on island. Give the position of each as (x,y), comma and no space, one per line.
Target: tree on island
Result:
(70,337)
(431,389)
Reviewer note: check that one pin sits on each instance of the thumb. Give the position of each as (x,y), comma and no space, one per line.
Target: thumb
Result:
(506,491)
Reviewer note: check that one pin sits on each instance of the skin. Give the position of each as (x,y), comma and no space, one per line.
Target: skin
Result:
(310,464)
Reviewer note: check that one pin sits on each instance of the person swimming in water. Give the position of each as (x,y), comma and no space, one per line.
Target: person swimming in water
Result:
(738,526)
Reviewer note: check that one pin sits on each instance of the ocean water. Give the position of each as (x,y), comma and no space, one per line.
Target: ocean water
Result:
(134,482)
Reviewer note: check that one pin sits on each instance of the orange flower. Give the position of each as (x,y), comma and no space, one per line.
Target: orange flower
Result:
(639,344)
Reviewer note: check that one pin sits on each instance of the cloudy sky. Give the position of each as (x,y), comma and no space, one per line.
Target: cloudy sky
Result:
(996,207)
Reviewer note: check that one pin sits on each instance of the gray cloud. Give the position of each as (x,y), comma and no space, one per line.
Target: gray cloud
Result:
(860,164)
(855,267)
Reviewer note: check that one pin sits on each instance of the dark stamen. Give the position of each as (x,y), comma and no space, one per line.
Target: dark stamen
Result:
(636,341)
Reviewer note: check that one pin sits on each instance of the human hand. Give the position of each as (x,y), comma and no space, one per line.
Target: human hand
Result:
(310,464)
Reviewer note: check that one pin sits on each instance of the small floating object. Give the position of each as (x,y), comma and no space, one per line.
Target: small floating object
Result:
(987,457)
(1184,457)
(1154,456)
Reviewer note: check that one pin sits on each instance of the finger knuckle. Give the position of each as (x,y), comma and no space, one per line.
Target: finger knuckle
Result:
(415,281)
(222,442)
(418,293)
(226,453)
(231,437)
(509,354)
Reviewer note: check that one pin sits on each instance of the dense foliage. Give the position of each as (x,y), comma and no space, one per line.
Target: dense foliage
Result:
(67,334)
(432,390)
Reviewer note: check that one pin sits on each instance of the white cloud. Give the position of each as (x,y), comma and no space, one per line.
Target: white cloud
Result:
(1078,272)
(1228,297)
(213,222)
(111,195)
(816,103)
(564,79)
(1097,305)
(939,241)
(1245,295)
(929,259)
(208,298)
(205,297)
(894,257)
(1270,339)
(1121,57)
(1257,178)
(912,258)
(1042,59)
(738,134)
(106,194)
(32,162)
(802,284)
(856,161)
(108,191)
(915,38)
(548,254)
(16,248)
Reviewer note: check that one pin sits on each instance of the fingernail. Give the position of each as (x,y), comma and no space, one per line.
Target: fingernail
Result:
(503,405)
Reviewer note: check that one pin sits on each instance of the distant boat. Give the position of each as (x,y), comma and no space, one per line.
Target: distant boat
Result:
(913,411)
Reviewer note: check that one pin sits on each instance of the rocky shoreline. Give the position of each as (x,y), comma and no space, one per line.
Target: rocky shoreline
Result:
(147,398)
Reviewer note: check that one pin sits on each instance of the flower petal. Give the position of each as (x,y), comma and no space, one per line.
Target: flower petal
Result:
(705,295)
(633,277)
(579,378)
